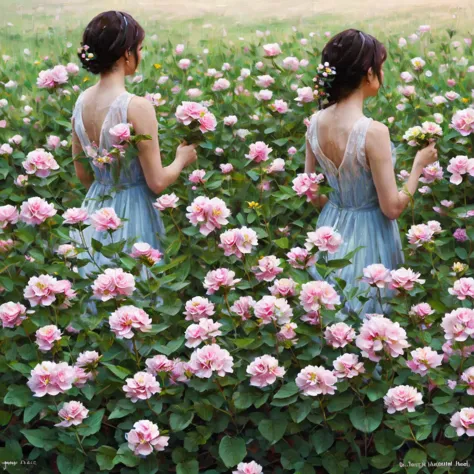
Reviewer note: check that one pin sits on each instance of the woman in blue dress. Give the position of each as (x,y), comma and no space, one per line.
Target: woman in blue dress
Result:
(111,47)
(357,159)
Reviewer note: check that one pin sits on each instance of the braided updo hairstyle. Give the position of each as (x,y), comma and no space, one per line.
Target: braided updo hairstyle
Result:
(106,39)
(352,53)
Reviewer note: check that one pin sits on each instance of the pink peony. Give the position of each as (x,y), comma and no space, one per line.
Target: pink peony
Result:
(141,387)
(72,413)
(189,111)
(339,335)
(402,398)
(316,380)
(166,201)
(421,310)
(198,308)
(379,334)
(42,290)
(325,239)
(459,166)
(423,359)
(268,268)
(46,337)
(468,377)
(144,252)
(243,306)
(145,437)
(264,371)
(307,184)
(248,468)
(238,241)
(8,215)
(207,122)
(376,275)
(420,234)
(12,314)
(272,49)
(127,318)
(51,78)
(121,132)
(49,378)
(458,325)
(305,95)
(36,210)
(113,282)
(105,219)
(463,288)
(226,168)
(204,330)
(463,121)
(348,366)
(300,258)
(209,359)
(404,279)
(75,215)
(317,294)
(463,421)
(220,278)
(209,214)
(159,363)
(284,287)
(270,308)
(259,152)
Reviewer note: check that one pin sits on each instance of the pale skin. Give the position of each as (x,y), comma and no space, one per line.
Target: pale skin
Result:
(334,125)
(142,116)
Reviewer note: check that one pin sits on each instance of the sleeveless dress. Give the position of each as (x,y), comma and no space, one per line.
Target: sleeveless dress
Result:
(128,195)
(353,210)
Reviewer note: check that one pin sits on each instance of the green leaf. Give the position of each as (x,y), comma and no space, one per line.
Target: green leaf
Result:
(31,411)
(43,437)
(71,463)
(415,456)
(180,421)
(322,440)
(272,430)
(120,372)
(18,395)
(232,450)
(366,419)
(243,342)
(280,141)
(283,243)
(5,417)
(188,467)
(287,390)
(92,424)
(300,411)
(123,408)
(105,457)
(339,402)
(377,390)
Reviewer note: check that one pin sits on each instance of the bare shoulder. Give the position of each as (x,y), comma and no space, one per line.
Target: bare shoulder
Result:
(377,134)
(139,107)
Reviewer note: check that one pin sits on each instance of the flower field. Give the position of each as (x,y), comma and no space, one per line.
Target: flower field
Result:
(228,357)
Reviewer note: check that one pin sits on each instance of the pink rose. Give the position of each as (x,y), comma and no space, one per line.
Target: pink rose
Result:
(141,387)
(220,278)
(36,210)
(75,215)
(8,215)
(268,268)
(112,283)
(159,363)
(121,132)
(49,378)
(326,239)
(316,380)
(12,314)
(264,371)
(105,219)
(243,306)
(209,359)
(259,152)
(402,398)
(348,366)
(463,421)
(463,121)
(145,437)
(423,359)
(317,294)
(404,279)
(72,413)
(166,201)
(463,288)
(339,335)
(272,49)
(46,336)
(248,468)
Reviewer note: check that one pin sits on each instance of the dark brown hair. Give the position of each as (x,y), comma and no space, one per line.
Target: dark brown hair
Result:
(108,36)
(352,53)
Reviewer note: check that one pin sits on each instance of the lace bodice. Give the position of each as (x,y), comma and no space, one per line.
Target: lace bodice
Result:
(352,181)
(117,113)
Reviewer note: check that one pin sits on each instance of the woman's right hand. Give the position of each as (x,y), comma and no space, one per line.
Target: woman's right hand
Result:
(427,155)
(186,154)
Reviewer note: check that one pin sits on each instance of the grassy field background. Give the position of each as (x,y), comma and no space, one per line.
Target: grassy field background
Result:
(195,19)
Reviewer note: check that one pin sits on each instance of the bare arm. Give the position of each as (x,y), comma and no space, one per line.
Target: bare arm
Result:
(378,149)
(85,177)
(141,114)
(310,167)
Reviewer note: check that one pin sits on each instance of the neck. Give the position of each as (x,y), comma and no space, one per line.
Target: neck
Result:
(354,101)
(112,80)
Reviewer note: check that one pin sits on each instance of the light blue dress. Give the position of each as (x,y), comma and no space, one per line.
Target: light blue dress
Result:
(128,195)
(353,210)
